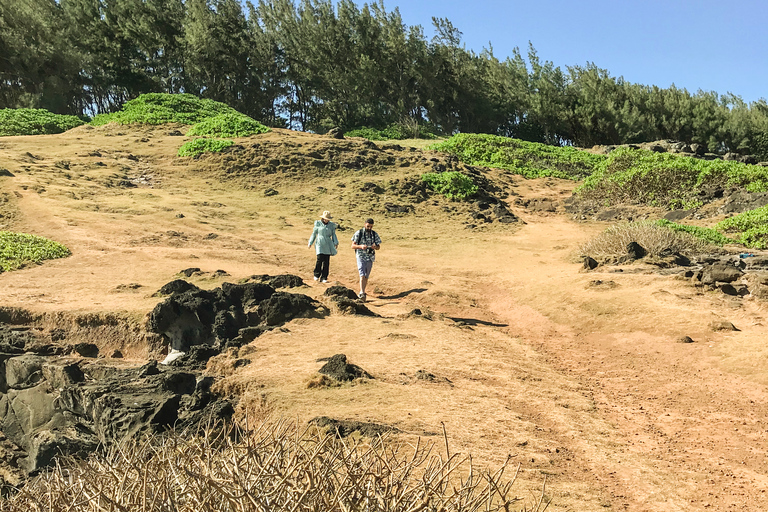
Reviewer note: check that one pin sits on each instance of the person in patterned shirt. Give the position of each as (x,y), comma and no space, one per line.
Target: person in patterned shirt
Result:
(365,242)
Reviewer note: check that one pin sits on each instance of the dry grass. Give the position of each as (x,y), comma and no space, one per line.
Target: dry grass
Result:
(655,239)
(276,467)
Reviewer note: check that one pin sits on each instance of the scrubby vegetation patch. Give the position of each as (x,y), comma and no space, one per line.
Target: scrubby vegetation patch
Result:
(274,467)
(34,121)
(19,249)
(656,239)
(529,159)
(664,179)
(196,147)
(393,132)
(161,108)
(750,228)
(453,184)
(227,125)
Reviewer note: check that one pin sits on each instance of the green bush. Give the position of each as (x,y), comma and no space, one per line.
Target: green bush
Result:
(197,147)
(161,108)
(19,249)
(529,159)
(709,235)
(34,121)
(664,179)
(751,227)
(452,185)
(227,125)
(393,132)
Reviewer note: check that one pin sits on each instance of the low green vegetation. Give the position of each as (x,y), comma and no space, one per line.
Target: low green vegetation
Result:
(19,249)
(197,147)
(709,235)
(34,121)
(655,238)
(227,125)
(528,159)
(664,179)
(453,185)
(750,228)
(392,132)
(161,108)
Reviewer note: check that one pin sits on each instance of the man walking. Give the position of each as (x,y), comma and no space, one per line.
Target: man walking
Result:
(365,242)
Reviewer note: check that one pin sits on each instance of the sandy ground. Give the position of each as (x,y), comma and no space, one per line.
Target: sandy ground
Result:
(576,376)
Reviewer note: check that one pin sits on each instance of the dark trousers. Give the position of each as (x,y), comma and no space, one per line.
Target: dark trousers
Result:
(322,266)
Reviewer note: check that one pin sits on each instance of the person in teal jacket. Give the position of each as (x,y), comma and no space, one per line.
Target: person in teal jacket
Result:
(326,245)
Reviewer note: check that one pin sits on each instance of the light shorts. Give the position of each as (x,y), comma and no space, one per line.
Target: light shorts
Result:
(364,267)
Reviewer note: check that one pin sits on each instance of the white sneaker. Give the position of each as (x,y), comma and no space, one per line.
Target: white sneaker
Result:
(317,278)
(361,296)
(324,280)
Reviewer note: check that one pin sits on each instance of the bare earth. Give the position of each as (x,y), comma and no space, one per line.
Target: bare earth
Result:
(580,382)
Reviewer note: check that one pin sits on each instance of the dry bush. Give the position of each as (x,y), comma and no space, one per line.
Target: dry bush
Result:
(612,243)
(276,467)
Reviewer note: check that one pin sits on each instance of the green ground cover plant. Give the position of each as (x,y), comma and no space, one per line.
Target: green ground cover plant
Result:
(709,235)
(19,249)
(529,159)
(664,179)
(34,121)
(453,185)
(655,238)
(196,147)
(750,228)
(161,108)
(227,125)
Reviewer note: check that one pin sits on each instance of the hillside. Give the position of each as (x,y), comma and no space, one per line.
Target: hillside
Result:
(575,375)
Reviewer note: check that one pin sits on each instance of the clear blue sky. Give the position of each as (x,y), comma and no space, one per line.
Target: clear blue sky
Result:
(719,46)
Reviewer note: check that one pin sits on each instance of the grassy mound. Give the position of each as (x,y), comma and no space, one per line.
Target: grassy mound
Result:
(19,249)
(663,179)
(161,108)
(751,228)
(655,238)
(34,121)
(453,185)
(227,125)
(529,159)
(197,147)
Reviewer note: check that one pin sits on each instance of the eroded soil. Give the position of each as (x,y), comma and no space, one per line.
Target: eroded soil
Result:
(581,383)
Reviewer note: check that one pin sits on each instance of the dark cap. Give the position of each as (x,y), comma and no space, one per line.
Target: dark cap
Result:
(369,221)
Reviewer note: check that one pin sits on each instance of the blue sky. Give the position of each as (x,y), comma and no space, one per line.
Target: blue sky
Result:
(710,45)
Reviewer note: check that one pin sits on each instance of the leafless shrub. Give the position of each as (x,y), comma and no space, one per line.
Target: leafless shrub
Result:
(656,240)
(276,467)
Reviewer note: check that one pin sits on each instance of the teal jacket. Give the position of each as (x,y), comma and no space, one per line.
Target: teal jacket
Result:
(324,238)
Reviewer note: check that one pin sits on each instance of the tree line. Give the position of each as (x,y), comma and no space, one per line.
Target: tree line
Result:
(314,65)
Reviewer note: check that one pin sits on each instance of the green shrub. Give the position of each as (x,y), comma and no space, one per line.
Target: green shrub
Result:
(197,147)
(709,235)
(227,125)
(161,108)
(656,239)
(751,227)
(19,249)
(452,185)
(664,179)
(397,131)
(529,159)
(34,121)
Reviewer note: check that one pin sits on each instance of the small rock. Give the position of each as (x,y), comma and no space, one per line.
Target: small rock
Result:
(685,339)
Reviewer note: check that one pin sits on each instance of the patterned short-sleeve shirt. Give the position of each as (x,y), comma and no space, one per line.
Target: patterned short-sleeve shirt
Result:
(363,237)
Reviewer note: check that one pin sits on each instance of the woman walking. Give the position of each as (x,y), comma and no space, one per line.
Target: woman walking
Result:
(326,243)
